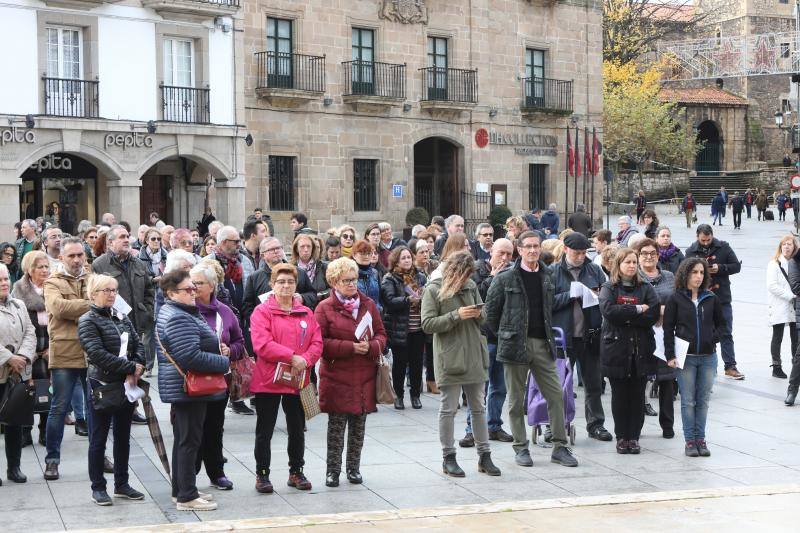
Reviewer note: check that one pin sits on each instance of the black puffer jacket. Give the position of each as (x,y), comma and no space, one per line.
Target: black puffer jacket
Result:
(699,326)
(718,253)
(627,335)
(396,306)
(317,288)
(100,334)
(672,262)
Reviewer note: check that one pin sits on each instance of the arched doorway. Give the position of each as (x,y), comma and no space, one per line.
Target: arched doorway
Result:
(175,188)
(709,158)
(65,179)
(436,179)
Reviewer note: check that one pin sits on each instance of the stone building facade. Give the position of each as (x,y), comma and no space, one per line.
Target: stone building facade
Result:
(128,107)
(363,109)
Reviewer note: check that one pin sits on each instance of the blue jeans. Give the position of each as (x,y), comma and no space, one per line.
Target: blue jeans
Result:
(496,396)
(726,340)
(77,402)
(718,217)
(63,381)
(695,381)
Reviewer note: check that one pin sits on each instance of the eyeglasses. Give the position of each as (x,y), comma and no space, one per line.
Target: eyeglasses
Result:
(487,234)
(272,250)
(348,281)
(348,236)
(528,247)
(154,239)
(186,243)
(648,254)
(107,291)
(8,254)
(187,290)
(235,241)
(374,234)
(285,282)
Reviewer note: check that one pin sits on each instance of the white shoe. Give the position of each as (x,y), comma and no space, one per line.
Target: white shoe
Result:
(205,495)
(198,504)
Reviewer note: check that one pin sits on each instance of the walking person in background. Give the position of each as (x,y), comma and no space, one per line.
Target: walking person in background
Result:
(762,203)
(781,301)
(115,355)
(630,309)
(284,331)
(640,203)
(401,294)
(718,206)
(579,221)
(689,207)
(451,311)
(737,206)
(782,202)
(694,314)
(749,200)
(347,390)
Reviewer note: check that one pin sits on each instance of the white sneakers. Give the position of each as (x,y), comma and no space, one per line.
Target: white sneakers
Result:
(198,504)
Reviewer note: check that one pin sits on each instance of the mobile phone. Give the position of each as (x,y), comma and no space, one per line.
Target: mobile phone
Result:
(479,306)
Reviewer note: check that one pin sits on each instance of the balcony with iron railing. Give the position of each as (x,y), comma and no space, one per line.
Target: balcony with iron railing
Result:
(204,8)
(449,88)
(545,95)
(71,98)
(368,83)
(185,104)
(290,77)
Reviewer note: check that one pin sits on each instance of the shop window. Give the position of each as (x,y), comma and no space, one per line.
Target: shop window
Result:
(281,183)
(365,184)
(537,186)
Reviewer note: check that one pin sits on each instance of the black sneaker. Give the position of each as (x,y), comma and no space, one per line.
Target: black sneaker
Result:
(81,428)
(468,441)
(563,456)
(127,492)
(600,433)
(240,408)
(501,436)
(101,497)
(648,410)
(777,372)
(138,419)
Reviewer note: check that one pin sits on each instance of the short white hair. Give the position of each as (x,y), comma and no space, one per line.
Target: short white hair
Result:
(4,270)
(416,229)
(625,219)
(215,225)
(207,271)
(175,257)
(227,232)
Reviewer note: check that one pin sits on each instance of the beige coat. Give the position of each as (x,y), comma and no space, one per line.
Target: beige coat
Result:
(16,332)
(66,300)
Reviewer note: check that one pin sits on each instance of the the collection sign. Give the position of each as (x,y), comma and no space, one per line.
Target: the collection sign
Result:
(17,135)
(523,143)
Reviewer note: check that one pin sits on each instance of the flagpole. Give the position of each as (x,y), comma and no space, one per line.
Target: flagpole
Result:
(577,162)
(566,178)
(586,164)
(594,169)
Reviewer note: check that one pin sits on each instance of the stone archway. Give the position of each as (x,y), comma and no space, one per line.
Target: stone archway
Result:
(437,179)
(709,158)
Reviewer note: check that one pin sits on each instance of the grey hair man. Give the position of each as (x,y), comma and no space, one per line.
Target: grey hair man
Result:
(51,245)
(452,225)
(108,219)
(234,263)
(481,247)
(25,243)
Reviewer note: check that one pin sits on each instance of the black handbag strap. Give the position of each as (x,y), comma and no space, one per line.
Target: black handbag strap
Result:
(785,275)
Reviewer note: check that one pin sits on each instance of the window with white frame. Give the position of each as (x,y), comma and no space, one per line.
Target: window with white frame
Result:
(179,62)
(64,53)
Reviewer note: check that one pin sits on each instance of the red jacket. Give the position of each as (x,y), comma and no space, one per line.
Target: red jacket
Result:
(276,336)
(347,380)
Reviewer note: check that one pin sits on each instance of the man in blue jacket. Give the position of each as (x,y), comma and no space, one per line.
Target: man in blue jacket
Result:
(550,222)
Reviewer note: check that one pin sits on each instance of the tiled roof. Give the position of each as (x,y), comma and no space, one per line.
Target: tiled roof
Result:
(700,95)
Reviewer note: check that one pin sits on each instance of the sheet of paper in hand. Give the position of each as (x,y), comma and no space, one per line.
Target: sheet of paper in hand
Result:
(121,306)
(364,328)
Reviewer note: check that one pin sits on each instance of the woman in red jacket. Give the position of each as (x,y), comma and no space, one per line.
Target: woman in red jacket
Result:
(349,365)
(283,330)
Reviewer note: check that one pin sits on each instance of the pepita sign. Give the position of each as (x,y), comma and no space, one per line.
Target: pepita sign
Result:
(52,162)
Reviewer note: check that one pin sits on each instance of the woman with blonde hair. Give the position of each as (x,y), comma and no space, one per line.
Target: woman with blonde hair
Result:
(555,247)
(306,253)
(457,242)
(451,312)
(514,227)
(780,300)
(347,236)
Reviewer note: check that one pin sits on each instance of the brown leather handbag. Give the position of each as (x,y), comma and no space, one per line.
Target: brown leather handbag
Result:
(197,383)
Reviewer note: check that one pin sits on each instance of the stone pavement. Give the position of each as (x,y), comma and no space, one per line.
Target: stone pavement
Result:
(753,437)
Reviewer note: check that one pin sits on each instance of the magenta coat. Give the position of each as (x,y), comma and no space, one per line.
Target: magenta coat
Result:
(347,380)
(276,336)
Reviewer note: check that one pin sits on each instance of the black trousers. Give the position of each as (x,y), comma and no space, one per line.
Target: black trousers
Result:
(430,375)
(749,208)
(13,439)
(100,424)
(409,356)
(187,431)
(666,405)
(266,415)
(777,340)
(587,354)
(737,219)
(781,214)
(211,443)
(627,406)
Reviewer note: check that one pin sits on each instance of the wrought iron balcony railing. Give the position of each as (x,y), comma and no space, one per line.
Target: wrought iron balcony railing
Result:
(71,98)
(288,70)
(368,78)
(546,95)
(185,104)
(449,85)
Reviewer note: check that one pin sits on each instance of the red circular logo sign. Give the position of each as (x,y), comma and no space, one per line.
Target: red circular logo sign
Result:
(795,181)
(482,138)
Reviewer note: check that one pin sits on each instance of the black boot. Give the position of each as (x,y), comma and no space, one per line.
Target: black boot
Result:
(450,466)
(486,466)
(777,372)
(16,475)
(791,396)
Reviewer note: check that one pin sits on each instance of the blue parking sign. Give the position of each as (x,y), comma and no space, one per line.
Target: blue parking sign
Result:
(397,191)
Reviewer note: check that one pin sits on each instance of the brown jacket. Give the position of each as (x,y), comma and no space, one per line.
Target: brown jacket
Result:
(66,300)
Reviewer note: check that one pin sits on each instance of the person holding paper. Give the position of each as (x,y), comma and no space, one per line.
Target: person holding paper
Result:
(348,372)
(663,281)
(693,315)
(284,333)
(115,355)
(630,309)
(222,320)
(581,325)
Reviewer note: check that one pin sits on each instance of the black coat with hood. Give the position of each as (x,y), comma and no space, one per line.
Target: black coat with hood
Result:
(396,306)
(718,253)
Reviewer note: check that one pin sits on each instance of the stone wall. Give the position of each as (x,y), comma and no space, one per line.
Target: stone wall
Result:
(657,185)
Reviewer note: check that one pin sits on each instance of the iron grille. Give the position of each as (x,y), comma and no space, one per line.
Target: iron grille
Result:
(449,84)
(71,98)
(547,95)
(374,79)
(365,184)
(537,186)
(281,183)
(287,70)
(185,104)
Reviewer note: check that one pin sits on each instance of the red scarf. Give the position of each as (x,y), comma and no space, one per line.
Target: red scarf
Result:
(233,268)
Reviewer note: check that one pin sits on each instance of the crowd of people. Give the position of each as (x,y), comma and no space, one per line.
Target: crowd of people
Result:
(459,316)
